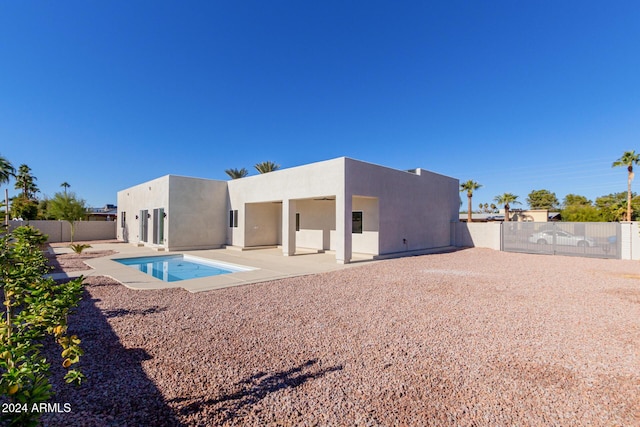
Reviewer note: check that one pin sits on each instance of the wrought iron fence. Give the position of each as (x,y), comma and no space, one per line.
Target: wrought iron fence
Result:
(588,239)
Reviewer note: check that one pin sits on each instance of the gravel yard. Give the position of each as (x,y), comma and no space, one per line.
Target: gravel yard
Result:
(474,337)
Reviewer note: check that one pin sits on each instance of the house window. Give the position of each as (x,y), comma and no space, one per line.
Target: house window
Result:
(356,222)
(297,222)
(233,218)
(123,219)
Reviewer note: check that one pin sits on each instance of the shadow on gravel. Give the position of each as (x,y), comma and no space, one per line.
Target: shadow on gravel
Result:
(256,388)
(116,392)
(125,312)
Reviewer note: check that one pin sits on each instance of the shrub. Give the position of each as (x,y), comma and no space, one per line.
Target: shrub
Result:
(35,306)
(78,248)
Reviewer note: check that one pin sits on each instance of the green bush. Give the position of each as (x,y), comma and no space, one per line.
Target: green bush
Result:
(35,306)
(79,247)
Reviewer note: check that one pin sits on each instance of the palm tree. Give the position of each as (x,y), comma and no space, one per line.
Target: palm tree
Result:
(6,172)
(493,207)
(628,159)
(469,186)
(65,185)
(267,166)
(506,199)
(25,181)
(237,173)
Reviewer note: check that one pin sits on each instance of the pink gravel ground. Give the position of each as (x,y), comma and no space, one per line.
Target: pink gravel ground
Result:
(469,338)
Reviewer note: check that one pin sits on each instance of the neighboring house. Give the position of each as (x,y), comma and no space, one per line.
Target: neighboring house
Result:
(342,205)
(106,213)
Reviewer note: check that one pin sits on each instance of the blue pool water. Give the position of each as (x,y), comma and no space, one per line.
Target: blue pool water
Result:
(172,268)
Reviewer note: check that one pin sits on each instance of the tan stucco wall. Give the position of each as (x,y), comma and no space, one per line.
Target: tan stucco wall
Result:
(263,224)
(417,207)
(148,195)
(317,221)
(196,211)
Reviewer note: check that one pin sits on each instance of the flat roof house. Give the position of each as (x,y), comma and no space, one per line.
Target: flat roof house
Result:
(342,205)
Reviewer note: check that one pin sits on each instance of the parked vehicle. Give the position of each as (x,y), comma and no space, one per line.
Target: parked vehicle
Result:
(548,237)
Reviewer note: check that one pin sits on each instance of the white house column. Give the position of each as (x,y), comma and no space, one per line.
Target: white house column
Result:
(288,227)
(343,228)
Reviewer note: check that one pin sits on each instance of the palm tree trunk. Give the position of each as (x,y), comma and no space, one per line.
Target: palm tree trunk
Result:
(506,212)
(469,218)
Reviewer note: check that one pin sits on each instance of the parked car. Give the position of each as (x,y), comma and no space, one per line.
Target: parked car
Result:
(564,238)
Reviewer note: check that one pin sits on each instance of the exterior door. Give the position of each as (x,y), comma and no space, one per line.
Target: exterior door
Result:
(144,224)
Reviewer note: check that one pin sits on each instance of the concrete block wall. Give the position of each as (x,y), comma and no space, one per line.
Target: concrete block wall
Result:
(477,235)
(60,231)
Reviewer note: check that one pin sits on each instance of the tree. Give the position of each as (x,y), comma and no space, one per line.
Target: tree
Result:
(25,181)
(65,185)
(581,213)
(6,172)
(469,186)
(614,207)
(576,199)
(542,199)
(27,209)
(507,199)
(67,207)
(266,167)
(628,159)
(237,173)
(493,207)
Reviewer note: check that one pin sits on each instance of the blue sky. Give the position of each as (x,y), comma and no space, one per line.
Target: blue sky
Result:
(515,95)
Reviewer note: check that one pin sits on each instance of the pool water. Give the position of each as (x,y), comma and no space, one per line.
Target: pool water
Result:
(173,268)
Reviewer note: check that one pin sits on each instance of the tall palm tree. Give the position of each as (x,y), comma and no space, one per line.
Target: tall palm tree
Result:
(628,159)
(267,166)
(65,185)
(469,186)
(25,181)
(506,199)
(237,173)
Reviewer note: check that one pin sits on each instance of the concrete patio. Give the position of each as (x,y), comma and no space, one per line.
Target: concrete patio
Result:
(270,264)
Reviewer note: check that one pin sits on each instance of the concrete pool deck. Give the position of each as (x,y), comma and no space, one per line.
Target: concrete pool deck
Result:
(270,264)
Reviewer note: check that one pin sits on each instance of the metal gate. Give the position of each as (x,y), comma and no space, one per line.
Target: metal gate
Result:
(587,239)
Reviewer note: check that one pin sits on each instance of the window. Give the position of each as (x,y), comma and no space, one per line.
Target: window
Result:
(123,219)
(297,222)
(356,222)
(233,218)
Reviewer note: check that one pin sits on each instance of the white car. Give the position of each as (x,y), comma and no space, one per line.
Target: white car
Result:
(561,238)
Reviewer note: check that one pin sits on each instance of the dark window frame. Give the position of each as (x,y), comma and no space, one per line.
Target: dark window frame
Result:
(355,221)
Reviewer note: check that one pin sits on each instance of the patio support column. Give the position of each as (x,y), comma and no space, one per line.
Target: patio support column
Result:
(343,228)
(288,227)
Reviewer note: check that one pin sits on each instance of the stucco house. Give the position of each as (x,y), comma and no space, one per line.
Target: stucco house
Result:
(341,205)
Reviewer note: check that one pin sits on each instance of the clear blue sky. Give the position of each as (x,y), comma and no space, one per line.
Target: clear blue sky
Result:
(515,95)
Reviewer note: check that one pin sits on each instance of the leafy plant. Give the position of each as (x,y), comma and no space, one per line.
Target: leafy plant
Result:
(67,207)
(35,307)
(79,247)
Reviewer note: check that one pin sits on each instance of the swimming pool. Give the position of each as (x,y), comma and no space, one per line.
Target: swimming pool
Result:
(173,268)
